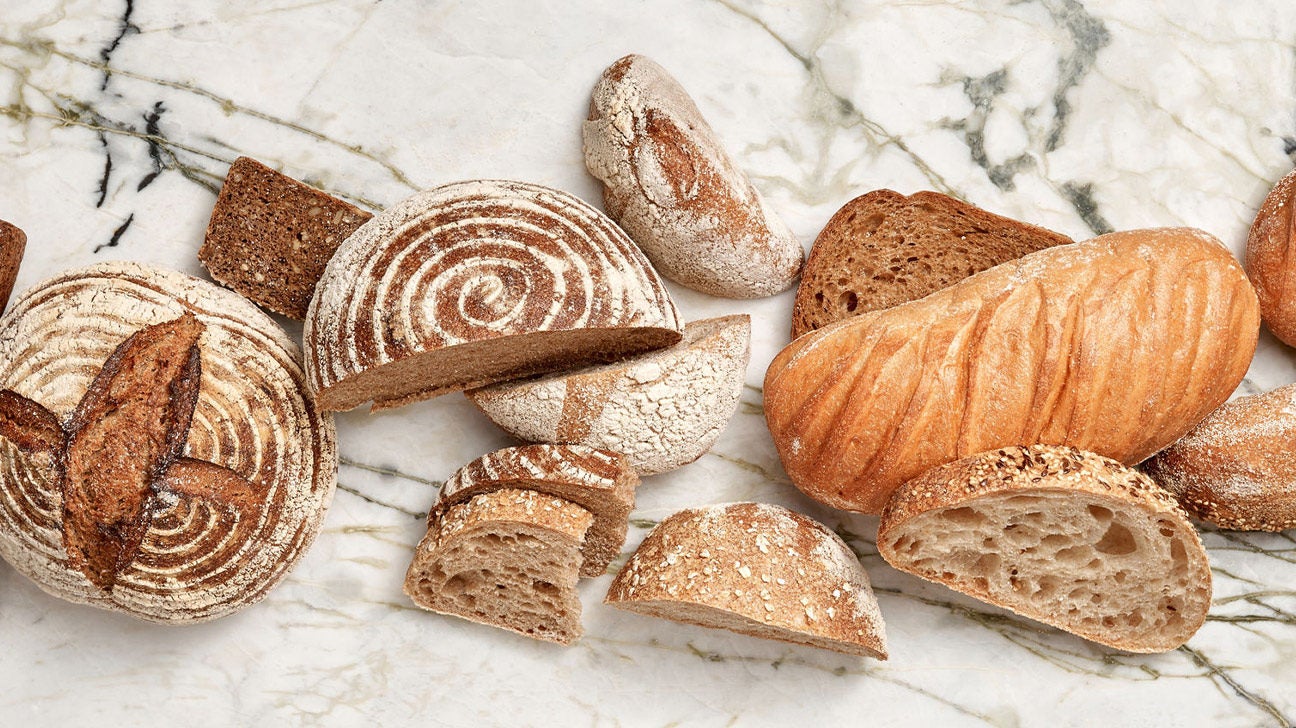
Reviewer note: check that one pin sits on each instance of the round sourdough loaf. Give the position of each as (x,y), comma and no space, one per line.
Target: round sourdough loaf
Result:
(474,283)
(158,453)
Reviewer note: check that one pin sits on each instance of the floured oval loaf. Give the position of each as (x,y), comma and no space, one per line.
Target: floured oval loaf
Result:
(474,283)
(1117,345)
(756,569)
(158,453)
(661,410)
(669,182)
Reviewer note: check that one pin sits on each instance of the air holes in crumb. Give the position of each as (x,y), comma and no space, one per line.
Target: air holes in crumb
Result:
(1118,541)
(849,300)
(964,516)
(872,222)
(1178,553)
(1103,515)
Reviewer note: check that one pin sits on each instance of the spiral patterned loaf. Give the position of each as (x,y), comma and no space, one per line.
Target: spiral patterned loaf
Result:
(419,300)
(257,468)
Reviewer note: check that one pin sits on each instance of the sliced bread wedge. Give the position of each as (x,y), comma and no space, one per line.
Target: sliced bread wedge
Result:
(1059,535)
(756,569)
(13,241)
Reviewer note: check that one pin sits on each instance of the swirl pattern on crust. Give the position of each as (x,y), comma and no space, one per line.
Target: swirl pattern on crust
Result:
(473,262)
(197,561)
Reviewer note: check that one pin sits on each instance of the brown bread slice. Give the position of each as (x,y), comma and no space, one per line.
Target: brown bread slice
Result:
(883,249)
(756,569)
(12,243)
(509,559)
(600,481)
(1063,536)
(270,236)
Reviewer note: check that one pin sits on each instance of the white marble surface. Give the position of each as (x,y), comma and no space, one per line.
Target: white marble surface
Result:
(118,119)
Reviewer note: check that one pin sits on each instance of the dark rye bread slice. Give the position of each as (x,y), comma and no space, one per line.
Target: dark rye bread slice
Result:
(12,243)
(883,249)
(270,236)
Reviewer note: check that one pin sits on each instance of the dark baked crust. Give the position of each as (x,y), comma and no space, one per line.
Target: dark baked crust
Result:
(12,243)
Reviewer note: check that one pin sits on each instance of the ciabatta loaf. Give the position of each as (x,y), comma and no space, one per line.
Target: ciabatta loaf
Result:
(12,243)
(669,182)
(1271,259)
(1066,537)
(158,453)
(508,558)
(883,249)
(474,283)
(756,569)
(661,410)
(1118,345)
(599,481)
(1237,469)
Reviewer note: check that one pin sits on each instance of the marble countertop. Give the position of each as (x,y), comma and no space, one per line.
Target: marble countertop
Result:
(118,120)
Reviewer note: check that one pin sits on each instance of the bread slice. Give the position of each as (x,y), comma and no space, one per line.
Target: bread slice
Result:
(510,559)
(599,481)
(883,249)
(270,236)
(663,409)
(756,569)
(474,283)
(12,243)
(1063,536)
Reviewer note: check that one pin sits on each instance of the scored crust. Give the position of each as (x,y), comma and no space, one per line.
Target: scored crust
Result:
(477,282)
(1063,536)
(756,569)
(662,410)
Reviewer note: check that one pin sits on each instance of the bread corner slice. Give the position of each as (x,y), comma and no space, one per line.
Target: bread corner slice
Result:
(600,481)
(509,559)
(756,569)
(1063,536)
(13,241)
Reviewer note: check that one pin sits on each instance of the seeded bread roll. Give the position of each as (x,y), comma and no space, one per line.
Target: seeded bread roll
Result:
(474,283)
(662,410)
(1271,259)
(158,454)
(509,559)
(756,569)
(12,243)
(1069,538)
(669,182)
(599,481)
(1237,469)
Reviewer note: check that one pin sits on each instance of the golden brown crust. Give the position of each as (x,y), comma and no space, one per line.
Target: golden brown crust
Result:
(1117,345)
(1271,259)
(12,243)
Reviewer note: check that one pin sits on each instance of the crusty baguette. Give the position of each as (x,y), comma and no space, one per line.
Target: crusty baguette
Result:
(662,410)
(756,569)
(600,481)
(883,249)
(1237,469)
(169,463)
(669,182)
(1271,259)
(1066,537)
(1118,345)
(474,283)
(12,243)
(508,558)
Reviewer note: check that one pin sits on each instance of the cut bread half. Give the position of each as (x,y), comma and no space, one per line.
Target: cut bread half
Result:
(599,481)
(1063,536)
(756,569)
(509,559)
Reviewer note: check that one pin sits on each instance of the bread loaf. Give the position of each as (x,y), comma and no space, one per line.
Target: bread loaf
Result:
(883,249)
(756,569)
(1237,468)
(662,410)
(508,558)
(669,182)
(1066,537)
(1271,259)
(12,243)
(474,283)
(1118,345)
(599,481)
(167,462)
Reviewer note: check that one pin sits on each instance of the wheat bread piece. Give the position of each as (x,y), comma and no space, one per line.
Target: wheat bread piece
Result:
(1118,345)
(13,241)
(270,236)
(158,453)
(600,481)
(474,283)
(507,558)
(1237,468)
(756,569)
(1066,537)
(883,249)
(670,183)
(1271,259)
(662,410)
